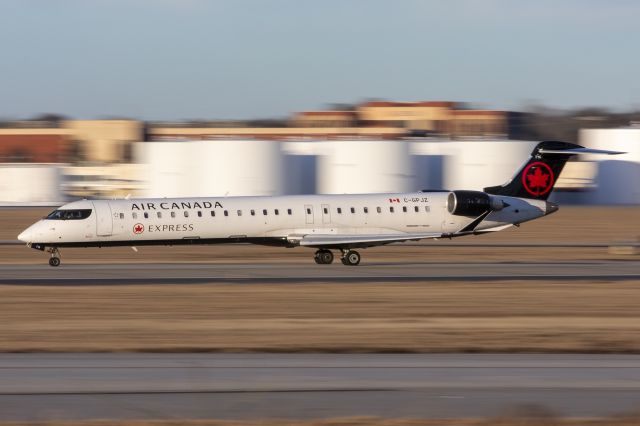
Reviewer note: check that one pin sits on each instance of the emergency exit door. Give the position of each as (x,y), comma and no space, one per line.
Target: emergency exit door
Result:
(326,214)
(308,212)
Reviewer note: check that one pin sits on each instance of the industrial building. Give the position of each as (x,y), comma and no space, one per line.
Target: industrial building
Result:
(371,148)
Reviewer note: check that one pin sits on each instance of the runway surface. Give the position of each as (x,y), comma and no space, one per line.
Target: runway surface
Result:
(299,273)
(253,386)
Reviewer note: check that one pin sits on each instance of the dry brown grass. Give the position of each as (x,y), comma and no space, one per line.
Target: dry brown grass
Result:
(389,317)
(419,317)
(359,421)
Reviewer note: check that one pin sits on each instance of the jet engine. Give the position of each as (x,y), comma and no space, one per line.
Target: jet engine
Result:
(472,203)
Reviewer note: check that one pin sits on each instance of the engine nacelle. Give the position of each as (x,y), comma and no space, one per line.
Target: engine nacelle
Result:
(472,203)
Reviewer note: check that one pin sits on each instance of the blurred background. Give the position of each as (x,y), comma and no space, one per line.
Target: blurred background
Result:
(198,98)
(378,146)
(184,98)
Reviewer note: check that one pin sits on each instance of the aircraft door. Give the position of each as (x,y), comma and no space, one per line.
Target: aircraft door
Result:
(308,211)
(326,214)
(104,221)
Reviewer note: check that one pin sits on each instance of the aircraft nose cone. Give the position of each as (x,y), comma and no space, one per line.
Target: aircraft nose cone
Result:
(25,236)
(550,207)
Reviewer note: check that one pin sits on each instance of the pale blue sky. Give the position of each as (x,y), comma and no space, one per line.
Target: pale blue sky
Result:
(190,59)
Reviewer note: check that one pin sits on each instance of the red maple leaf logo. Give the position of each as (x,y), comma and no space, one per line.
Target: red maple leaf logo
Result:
(138,228)
(538,179)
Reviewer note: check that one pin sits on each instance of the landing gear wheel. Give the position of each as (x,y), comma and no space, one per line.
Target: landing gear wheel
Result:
(323,257)
(351,258)
(54,260)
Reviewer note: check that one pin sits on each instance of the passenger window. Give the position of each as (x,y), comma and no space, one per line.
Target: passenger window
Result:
(253,212)
(121,215)
(186,213)
(404,209)
(353,210)
(339,210)
(264,212)
(213,213)
(277,212)
(146,215)
(325,210)
(416,209)
(199,213)
(379,209)
(391,209)
(289,212)
(226,213)
(366,209)
(173,214)
(239,212)
(427,209)
(159,215)
(134,215)
(308,211)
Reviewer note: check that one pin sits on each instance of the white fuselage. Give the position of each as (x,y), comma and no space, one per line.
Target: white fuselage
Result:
(271,220)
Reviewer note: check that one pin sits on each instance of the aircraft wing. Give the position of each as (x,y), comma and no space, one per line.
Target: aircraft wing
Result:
(361,240)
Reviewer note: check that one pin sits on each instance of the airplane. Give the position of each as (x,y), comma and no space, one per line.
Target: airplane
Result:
(341,223)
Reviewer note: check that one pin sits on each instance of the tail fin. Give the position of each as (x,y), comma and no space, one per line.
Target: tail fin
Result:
(538,175)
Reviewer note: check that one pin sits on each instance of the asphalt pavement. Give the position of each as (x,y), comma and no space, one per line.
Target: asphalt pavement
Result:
(297,273)
(255,386)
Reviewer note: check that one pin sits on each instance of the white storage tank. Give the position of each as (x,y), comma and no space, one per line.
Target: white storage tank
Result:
(167,168)
(238,167)
(218,167)
(30,184)
(477,164)
(364,166)
(618,177)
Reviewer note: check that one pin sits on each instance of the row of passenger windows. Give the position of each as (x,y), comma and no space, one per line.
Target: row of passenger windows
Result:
(405,209)
(252,212)
(199,213)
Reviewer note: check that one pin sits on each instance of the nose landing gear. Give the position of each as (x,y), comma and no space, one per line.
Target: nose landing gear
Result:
(54,260)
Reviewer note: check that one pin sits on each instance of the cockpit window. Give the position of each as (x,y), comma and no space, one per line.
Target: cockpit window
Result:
(69,214)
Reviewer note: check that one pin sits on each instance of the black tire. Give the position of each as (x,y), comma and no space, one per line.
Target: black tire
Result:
(326,257)
(352,258)
(54,261)
(323,257)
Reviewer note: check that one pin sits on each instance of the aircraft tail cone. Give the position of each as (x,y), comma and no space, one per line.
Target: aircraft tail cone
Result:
(550,207)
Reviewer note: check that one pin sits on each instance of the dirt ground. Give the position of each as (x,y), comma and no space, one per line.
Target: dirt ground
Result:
(387,317)
(518,316)
(579,225)
(360,421)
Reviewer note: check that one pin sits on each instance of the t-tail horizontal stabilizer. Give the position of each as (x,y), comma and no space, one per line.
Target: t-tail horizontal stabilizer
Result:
(535,180)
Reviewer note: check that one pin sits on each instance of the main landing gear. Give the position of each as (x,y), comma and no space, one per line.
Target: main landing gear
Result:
(323,257)
(349,257)
(54,260)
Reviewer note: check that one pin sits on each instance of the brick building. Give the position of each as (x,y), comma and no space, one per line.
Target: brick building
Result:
(40,145)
